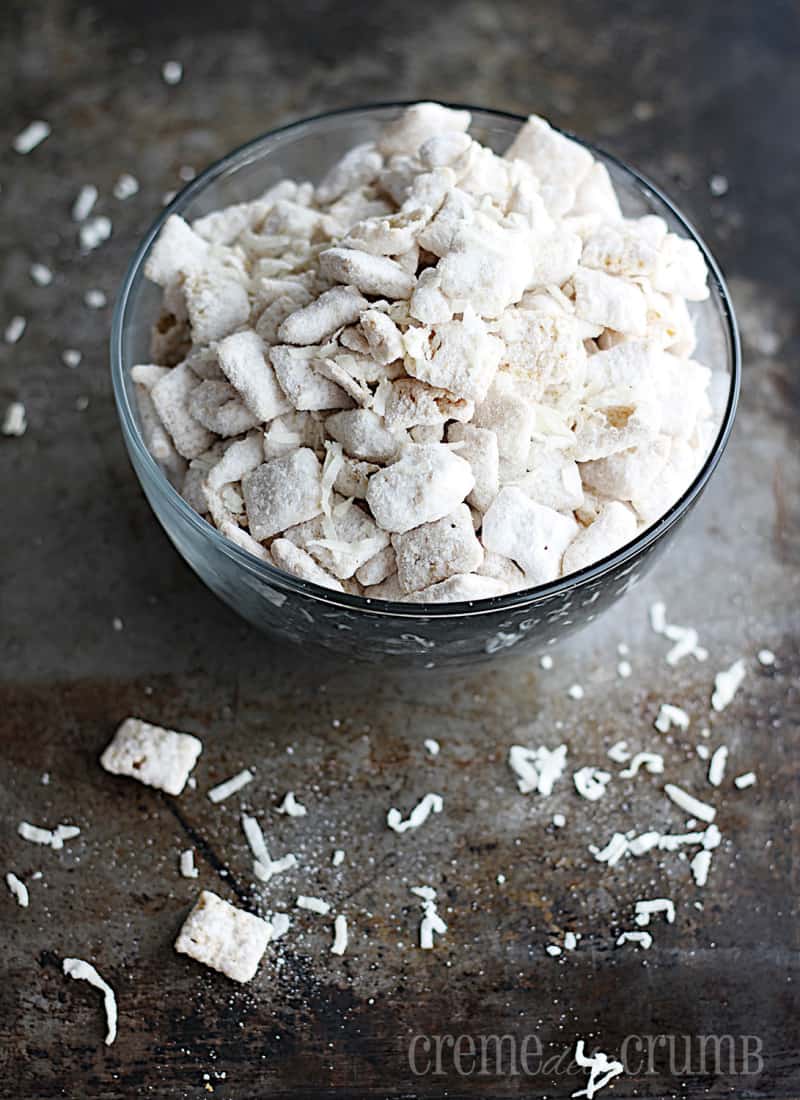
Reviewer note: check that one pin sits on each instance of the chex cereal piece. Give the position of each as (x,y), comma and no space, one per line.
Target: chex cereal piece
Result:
(609,301)
(410,403)
(341,305)
(358,167)
(243,360)
(293,560)
(461,358)
(306,387)
(224,937)
(461,587)
(171,396)
(283,492)
(177,251)
(216,306)
(426,483)
(417,124)
(478,447)
(614,526)
(364,435)
(155,756)
(533,536)
(435,551)
(375,275)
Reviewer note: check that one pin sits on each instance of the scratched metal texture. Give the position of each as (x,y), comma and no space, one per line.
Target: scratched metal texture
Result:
(684,91)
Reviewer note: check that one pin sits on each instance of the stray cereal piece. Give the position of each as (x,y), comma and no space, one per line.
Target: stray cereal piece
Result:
(224,937)
(157,757)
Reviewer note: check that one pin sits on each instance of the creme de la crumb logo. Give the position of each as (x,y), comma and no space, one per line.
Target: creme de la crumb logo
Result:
(507,1055)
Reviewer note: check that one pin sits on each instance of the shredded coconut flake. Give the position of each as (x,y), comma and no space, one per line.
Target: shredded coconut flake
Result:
(338,857)
(716,769)
(546,662)
(281,923)
(766,657)
(744,781)
(94,232)
(650,908)
(726,684)
(602,1069)
(537,769)
(41,274)
(591,783)
(18,889)
(689,804)
(652,762)
(33,134)
(291,806)
(94,299)
(668,716)
(231,786)
(172,72)
(700,865)
(313,905)
(125,187)
(576,692)
(264,867)
(15,421)
(187,867)
(432,746)
(83,971)
(641,939)
(84,202)
(340,936)
(431,922)
(15,329)
(53,837)
(71,357)
(431,803)
(619,752)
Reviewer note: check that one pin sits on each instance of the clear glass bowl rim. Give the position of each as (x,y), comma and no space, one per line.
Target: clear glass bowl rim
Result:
(275,577)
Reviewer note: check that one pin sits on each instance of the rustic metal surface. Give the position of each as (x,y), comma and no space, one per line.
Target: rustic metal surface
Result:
(684,91)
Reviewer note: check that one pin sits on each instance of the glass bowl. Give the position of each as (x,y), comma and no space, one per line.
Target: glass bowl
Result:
(421,635)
